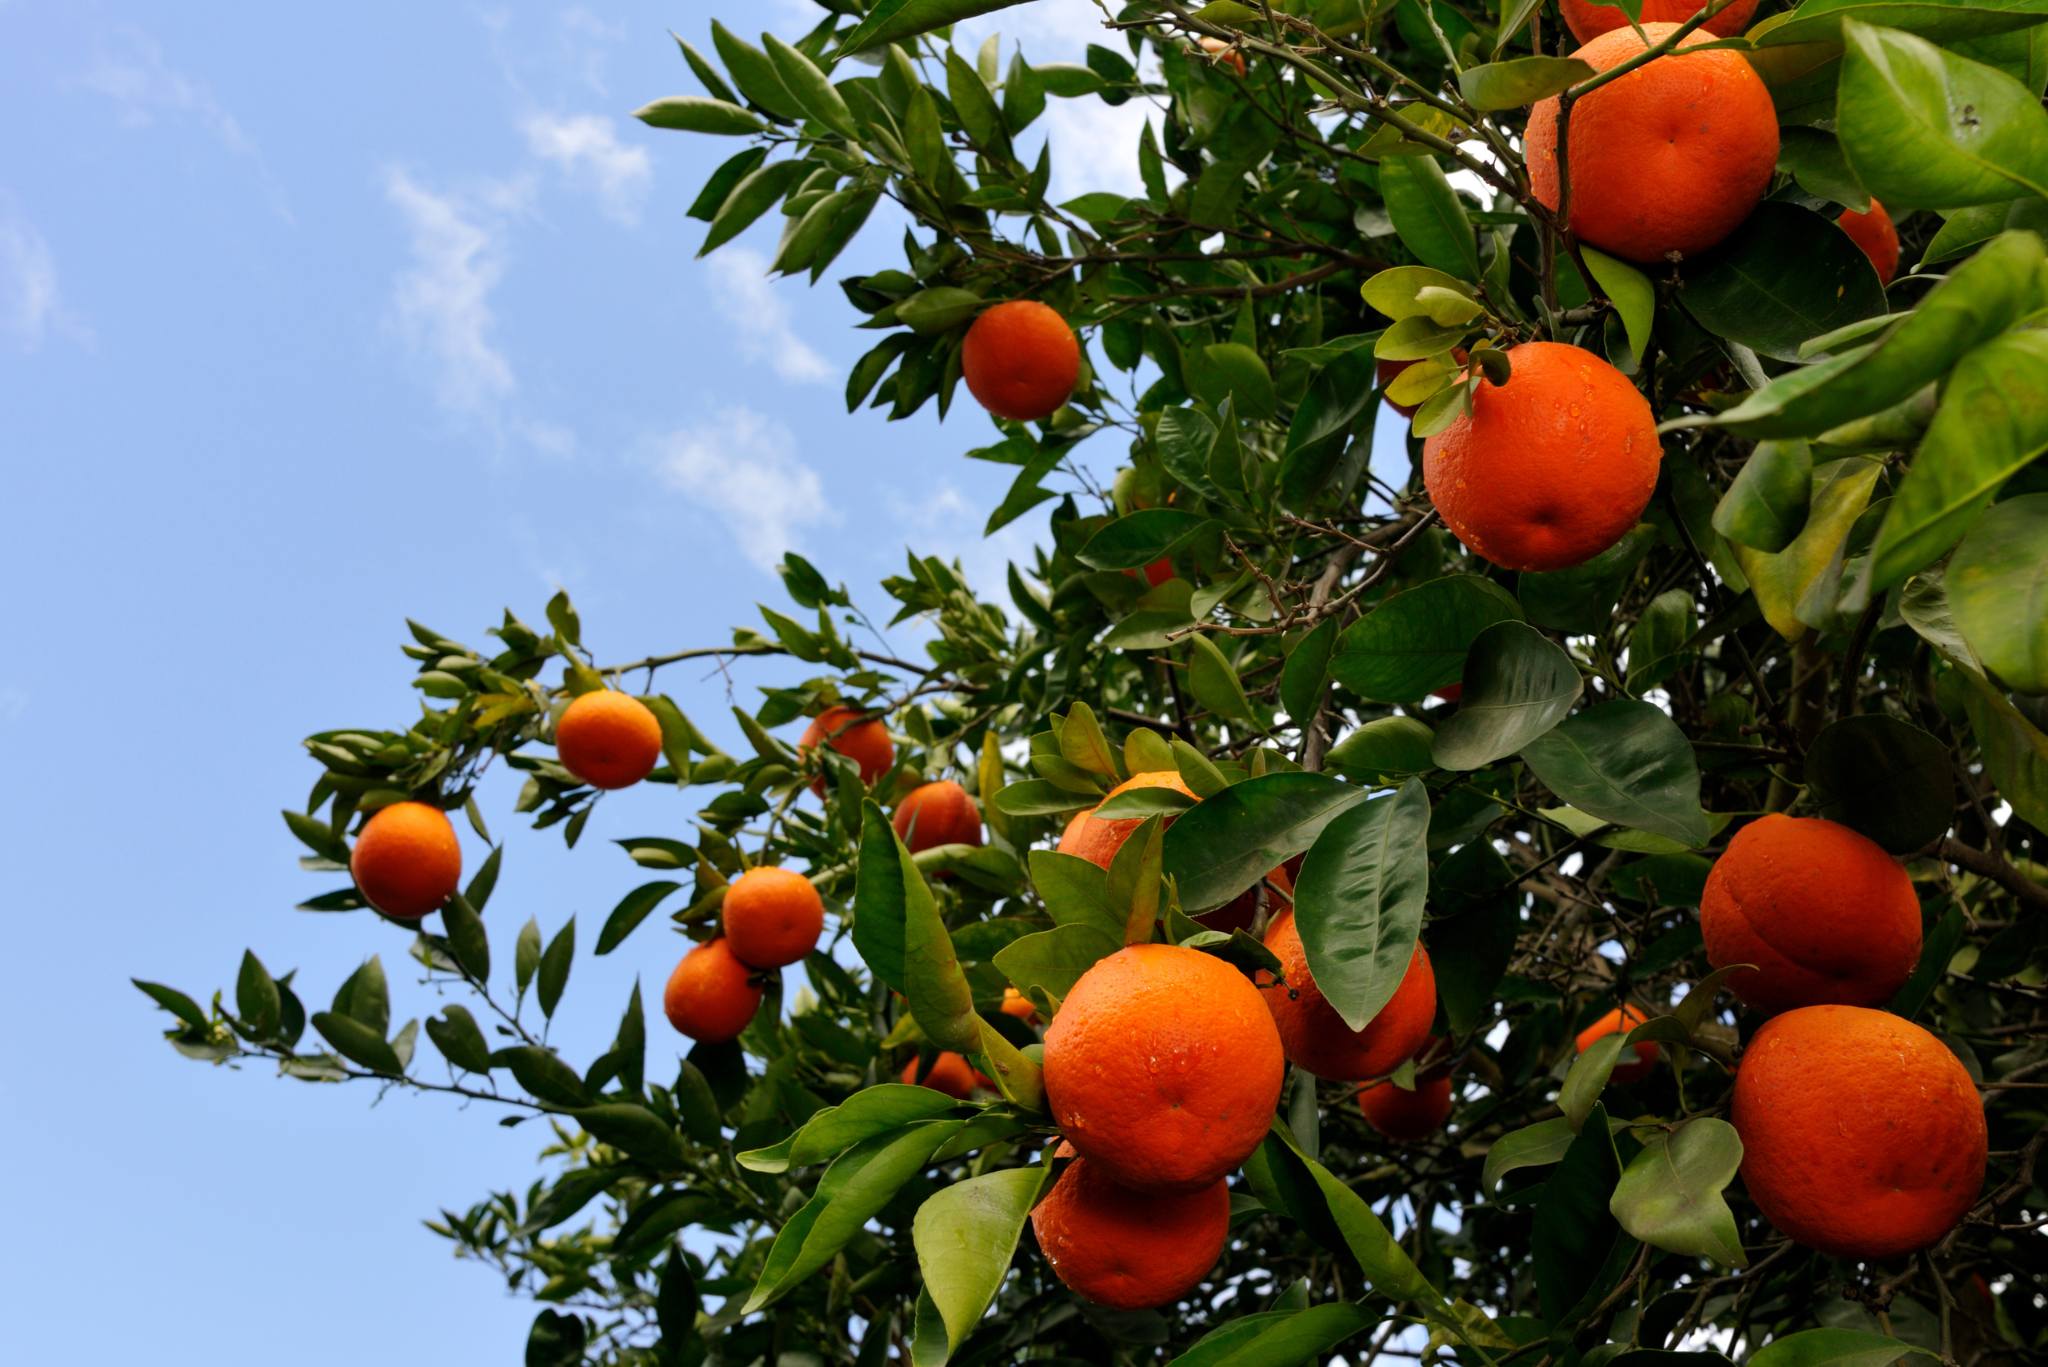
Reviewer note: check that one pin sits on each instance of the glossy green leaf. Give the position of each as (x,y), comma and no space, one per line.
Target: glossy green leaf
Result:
(1055,959)
(1384,750)
(636,1130)
(1581,600)
(1787,274)
(892,21)
(1925,129)
(357,1042)
(871,1111)
(1670,1195)
(1624,762)
(1634,297)
(1229,841)
(1137,539)
(1429,216)
(1214,682)
(1884,777)
(965,1235)
(554,967)
(1396,291)
(1520,81)
(1416,640)
(461,1041)
(1242,373)
(1277,1338)
(1358,904)
(1834,1348)
(1574,1237)
(1766,505)
(1813,157)
(1587,1078)
(1797,587)
(1517,685)
(632,909)
(1660,636)
(1998,591)
(1307,670)
(809,87)
(749,200)
(1532,1146)
(695,114)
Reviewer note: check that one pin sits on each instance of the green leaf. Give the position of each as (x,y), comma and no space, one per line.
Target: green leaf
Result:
(1532,1146)
(965,1235)
(1926,129)
(810,88)
(173,1001)
(1082,742)
(1834,1348)
(1214,682)
(1384,751)
(1517,685)
(456,1034)
(257,1000)
(899,933)
(1818,21)
(1670,1195)
(1978,300)
(1387,1267)
(1244,377)
(1137,539)
(1787,274)
(1428,215)
(554,967)
(1635,298)
(695,114)
(1574,1237)
(1055,959)
(1659,638)
(1580,600)
(1813,157)
(1992,422)
(894,20)
(853,1191)
(1306,672)
(1883,777)
(1624,762)
(1397,291)
(1277,1338)
(1230,840)
(938,309)
(754,73)
(543,1074)
(749,200)
(1075,892)
(872,1111)
(636,1130)
(1416,640)
(557,1339)
(317,836)
(366,996)
(1797,587)
(1998,591)
(526,955)
(357,1042)
(1358,905)
(1587,1078)
(1766,504)
(1518,82)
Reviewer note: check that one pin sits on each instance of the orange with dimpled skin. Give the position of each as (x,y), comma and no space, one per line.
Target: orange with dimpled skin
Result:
(1549,469)
(1020,360)
(406,861)
(864,740)
(1162,1067)
(937,813)
(950,1073)
(1823,912)
(1667,159)
(608,739)
(1588,21)
(710,997)
(1408,1116)
(773,916)
(1126,1249)
(1098,838)
(1316,1037)
(1872,230)
(1862,1135)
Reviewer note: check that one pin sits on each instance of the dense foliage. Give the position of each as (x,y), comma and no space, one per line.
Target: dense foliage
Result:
(1833,605)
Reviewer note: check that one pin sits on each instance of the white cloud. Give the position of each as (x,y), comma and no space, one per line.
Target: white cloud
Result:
(1095,146)
(130,73)
(1050,31)
(944,522)
(746,298)
(742,468)
(587,150)
(441,304)
(30,304)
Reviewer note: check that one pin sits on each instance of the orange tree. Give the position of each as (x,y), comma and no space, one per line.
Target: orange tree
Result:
(1284,894)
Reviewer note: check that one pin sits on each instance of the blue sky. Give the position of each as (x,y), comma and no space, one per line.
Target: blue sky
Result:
(311,321)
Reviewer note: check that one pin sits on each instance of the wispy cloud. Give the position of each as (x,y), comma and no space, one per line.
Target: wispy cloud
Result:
(130,72)
(746,298)
(441,303)
(943,521)
(588,151)
(31,305)
(742,468)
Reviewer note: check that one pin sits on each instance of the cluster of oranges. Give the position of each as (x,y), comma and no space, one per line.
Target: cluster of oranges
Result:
(1819,927)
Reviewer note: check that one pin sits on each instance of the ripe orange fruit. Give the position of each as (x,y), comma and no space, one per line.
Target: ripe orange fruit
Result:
(1588,21)
(1549,469)
(1232,58)
(1824,914)
(709,996)
(406,861)
(950,1073)
(1872,230)
(1156,573)
(1668,159)
(1449,693)
(608,739)
(773,917)
(1016,1004)
(1862,1135)
(938,813)
(1163,1067)
(1620,1021)
(1316,1037)
(861,738)
(1129,1250)
(1406,1117)
(1020,360)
